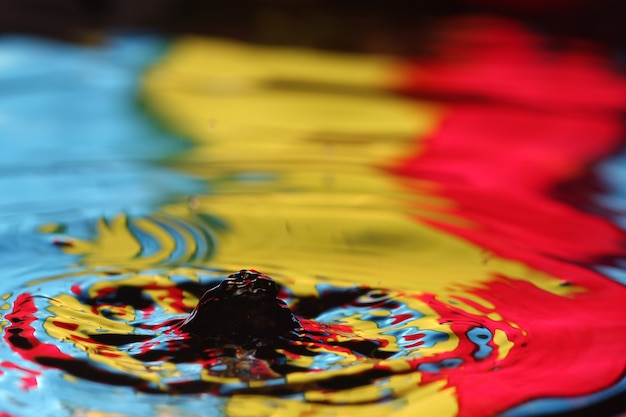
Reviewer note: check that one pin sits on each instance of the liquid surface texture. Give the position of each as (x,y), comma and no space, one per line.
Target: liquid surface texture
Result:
(444,235)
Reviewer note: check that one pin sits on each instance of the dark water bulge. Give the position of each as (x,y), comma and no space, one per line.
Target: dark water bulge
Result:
(241,309)
(239,329)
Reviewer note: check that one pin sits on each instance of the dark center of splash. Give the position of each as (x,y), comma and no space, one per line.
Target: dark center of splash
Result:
(242,309)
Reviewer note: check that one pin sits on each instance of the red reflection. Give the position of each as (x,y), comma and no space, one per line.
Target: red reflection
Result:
(520,120)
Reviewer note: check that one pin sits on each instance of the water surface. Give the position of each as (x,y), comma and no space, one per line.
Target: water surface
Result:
(430,224)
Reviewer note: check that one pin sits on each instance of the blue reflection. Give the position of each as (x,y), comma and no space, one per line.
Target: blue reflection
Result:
(438,366)
(74,140)
(481,336)
(612,173)
(554,406)
(75,144)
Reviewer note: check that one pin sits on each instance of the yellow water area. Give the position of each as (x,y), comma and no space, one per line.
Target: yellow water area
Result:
(319,127)
(294,145)
(435,399)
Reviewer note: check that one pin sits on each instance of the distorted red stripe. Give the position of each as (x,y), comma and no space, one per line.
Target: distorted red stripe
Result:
(520,120)
(499,60)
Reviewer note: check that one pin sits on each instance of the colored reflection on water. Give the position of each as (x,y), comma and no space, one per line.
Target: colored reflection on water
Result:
(426,221)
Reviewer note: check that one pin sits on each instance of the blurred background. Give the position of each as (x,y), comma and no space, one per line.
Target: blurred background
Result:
(397,27)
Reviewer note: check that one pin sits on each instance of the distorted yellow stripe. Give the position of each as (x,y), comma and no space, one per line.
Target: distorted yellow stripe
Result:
(433,399)
(114,242)
(272,109)
(503,343)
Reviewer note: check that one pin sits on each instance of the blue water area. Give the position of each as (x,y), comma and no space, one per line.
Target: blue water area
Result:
(70,115)
(561,406)
(612,173)
(75,143)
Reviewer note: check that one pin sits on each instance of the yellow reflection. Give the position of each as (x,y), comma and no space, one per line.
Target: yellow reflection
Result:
(316,116)
(228,89)
(323,125)
(295,144)
(117,243)
(114,242)
(408,396)
(503,343)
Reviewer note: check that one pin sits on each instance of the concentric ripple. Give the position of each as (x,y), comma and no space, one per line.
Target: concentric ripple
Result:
(137,242)
(123,330)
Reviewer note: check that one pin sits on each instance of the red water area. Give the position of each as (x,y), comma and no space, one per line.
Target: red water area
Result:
(20,335)
(29,380)
(400,318)
(461,323)
(570,348)
(496,59)
(521,120)
(575,346)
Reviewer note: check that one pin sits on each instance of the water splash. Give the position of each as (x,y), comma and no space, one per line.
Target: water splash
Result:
(425,273)
(125,330)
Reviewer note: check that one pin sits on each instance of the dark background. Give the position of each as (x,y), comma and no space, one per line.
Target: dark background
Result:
(395,26)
